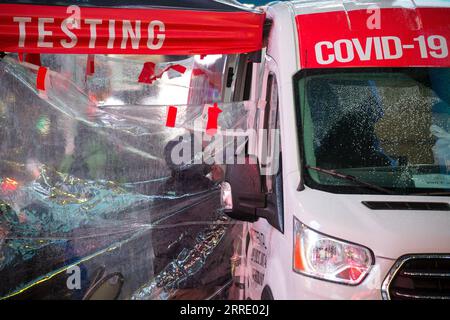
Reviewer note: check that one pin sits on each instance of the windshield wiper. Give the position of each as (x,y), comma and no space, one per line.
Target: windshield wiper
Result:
(350,178)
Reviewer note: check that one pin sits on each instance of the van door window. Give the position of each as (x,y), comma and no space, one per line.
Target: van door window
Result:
(270,146)
(271,166)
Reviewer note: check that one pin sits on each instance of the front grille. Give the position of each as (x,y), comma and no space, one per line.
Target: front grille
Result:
(419,277)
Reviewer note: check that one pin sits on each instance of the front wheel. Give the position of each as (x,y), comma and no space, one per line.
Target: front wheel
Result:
(267,294)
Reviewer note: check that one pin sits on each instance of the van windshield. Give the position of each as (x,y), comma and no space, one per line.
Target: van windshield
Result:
(387,127)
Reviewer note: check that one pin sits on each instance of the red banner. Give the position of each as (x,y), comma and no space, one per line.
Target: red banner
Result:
(59,29)
(400,38)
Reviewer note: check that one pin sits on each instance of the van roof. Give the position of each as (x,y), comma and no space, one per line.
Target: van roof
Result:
(314,6)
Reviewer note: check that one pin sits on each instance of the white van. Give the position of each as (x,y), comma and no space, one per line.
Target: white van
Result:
(359,205)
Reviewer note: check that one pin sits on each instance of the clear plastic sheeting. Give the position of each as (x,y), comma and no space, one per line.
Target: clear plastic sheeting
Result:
(184,271)
(87,182)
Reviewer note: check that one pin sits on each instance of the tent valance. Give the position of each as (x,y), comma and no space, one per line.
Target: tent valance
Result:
(134,27)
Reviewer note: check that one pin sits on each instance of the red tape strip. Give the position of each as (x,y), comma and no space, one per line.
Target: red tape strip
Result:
(148,72)
(213,116)
(171,117)
(198,72)
(177,67)
(40,80)
(90,65)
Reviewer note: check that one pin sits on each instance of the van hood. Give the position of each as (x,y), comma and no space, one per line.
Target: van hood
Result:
(388,233)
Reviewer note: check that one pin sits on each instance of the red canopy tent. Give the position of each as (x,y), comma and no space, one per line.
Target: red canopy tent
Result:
(164,27)
(107,126)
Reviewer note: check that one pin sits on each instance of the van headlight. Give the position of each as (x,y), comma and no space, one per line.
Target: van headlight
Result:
(320,256)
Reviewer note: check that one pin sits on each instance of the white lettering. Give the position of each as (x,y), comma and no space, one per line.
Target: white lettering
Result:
(74,280)
(112,33)
(75,18)
(374,20)
(319,52)
(42,33)
(22,30)
(66,25)
(387,47)
(160,36)
(363,54)
(378,48)
(135,35)
(388,54)
(349,50)
(93,28)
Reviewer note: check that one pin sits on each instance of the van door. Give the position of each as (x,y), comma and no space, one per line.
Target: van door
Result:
(269,156)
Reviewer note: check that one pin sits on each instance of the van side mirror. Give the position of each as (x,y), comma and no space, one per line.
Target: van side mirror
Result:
(243,198)
(241,191)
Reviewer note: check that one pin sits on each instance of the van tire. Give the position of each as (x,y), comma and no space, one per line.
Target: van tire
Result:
(267,294)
